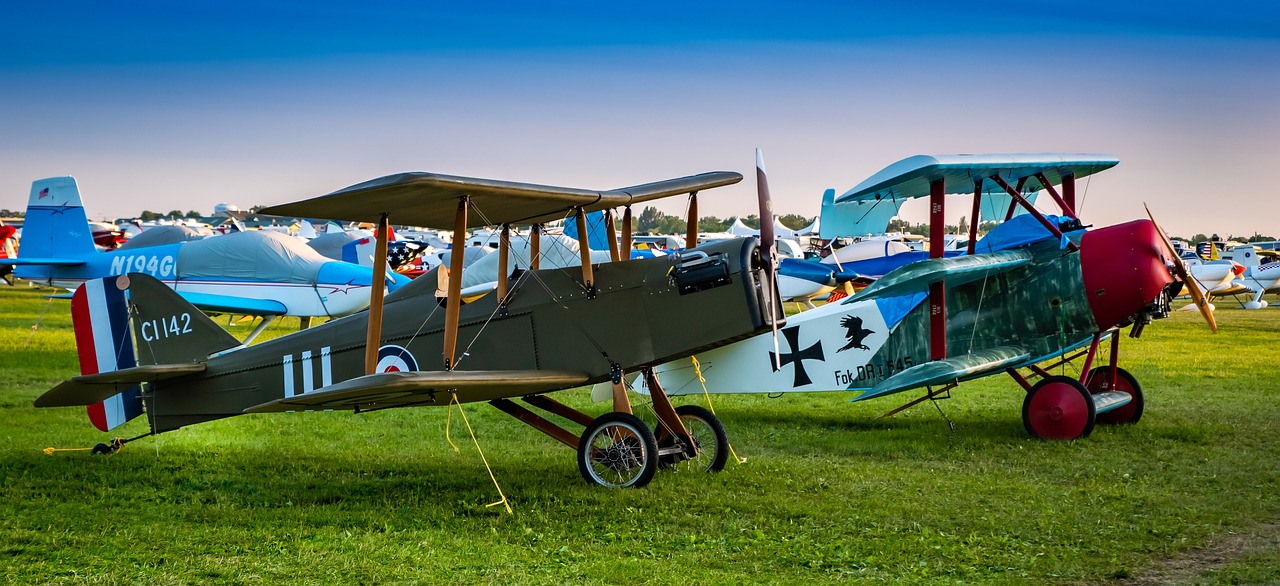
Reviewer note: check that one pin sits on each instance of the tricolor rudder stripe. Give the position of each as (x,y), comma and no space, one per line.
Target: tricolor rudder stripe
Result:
(100,315)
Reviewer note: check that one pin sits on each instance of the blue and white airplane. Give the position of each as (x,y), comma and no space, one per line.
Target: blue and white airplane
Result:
(252,273)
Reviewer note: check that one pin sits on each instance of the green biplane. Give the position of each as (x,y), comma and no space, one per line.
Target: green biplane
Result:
(541,330)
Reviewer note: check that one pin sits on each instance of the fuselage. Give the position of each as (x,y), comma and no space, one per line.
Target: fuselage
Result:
(642,313)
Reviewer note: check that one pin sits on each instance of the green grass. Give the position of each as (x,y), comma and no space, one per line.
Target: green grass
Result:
(829,491)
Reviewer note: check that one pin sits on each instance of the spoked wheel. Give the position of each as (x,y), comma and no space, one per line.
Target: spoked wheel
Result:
(1060,408)
(1100,380)
(708,437)
(618,450)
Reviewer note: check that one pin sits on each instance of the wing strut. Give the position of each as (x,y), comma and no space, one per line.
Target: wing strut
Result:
(976,215)
(1019,200)
(373,339)
(504,249)
(626,231)
(453,304)
(612,234)
(937,291)
(535,246)
(691,224)
(584,249)
(1066,209)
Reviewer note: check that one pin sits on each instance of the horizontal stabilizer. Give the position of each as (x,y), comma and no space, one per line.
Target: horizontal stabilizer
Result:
(1109,400)
(239,305)
(27,260)
(406,389)
(949,370)
(92,388)
(957,270)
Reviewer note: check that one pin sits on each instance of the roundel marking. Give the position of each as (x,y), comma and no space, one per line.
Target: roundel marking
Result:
(392,358)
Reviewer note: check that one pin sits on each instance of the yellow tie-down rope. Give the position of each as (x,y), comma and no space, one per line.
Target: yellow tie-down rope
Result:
(117,444)
(447,422)
(697,369)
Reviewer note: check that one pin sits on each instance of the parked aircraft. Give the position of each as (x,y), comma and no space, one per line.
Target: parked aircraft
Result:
(543,330)
(252,273)
(1045,290)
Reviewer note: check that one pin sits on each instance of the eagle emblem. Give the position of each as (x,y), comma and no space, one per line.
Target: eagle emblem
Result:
(856,333)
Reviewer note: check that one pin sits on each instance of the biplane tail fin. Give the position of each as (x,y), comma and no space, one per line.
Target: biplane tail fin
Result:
(169,329)
(100,316)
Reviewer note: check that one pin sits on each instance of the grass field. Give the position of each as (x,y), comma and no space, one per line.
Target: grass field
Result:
(829,492)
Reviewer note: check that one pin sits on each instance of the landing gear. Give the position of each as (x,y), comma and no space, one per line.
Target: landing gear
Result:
(108,448)
(1060,408)
(618,450)
(710,448)
(1100,381)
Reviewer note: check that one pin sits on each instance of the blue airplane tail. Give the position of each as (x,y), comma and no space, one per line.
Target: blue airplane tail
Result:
(56,227)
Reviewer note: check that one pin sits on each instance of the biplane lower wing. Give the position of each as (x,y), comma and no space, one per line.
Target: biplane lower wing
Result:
(92,388)
(957,270)
(407,389)
(950,370)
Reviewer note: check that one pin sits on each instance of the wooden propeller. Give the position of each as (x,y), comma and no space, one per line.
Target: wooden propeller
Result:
(1193,287)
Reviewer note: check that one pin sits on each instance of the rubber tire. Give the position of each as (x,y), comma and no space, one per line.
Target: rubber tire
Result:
(699,415)
(102,450)
(1058,392)
(626,423)
(1125,382)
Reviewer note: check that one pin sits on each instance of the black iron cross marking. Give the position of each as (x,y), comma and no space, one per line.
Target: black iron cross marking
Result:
(796,356)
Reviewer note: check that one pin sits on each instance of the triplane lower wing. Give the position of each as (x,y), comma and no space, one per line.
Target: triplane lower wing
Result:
(540,331)
(1038,289)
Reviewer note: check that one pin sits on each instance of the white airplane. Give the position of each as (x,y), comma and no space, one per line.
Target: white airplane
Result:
(1261,279)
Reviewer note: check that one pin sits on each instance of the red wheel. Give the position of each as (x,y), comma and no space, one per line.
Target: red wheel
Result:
(1099,381)
(1058,407)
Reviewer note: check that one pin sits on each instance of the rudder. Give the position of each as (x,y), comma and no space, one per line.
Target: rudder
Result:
(170,330)
(100,318)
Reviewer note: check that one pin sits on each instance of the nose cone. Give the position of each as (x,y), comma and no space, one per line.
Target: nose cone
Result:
(1123,268)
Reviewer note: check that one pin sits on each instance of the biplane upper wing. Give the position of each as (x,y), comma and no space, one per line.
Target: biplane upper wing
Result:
(948,370)
(430,199)
(955,270)
(405,389)
(911,176)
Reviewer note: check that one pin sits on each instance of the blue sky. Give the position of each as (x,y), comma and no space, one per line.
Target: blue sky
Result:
(157,106)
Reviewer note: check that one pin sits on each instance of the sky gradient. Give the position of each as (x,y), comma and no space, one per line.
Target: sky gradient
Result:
(156,106)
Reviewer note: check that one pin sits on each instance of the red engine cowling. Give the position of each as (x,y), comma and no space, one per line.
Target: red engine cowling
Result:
(1124,269)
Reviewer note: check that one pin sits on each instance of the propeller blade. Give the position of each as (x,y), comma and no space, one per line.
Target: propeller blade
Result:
(766,251)
(1193,286)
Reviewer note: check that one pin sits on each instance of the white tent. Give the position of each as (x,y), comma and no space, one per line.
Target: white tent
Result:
(809,230)
(737,228)
(780,231)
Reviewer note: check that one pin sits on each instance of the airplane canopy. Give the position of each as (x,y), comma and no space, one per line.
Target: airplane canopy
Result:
(911,176)
(430,199)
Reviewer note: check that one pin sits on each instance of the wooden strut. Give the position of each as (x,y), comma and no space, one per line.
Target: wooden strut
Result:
(535,246)
(584,251)
(691,224)
(373,337)
(626,230)
(537,422)
(504,270)
(557,408)
(668,420)
(929,394)
(453,307)
(612,234)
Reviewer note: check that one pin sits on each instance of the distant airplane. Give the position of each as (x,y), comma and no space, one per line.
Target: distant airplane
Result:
(252,273)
